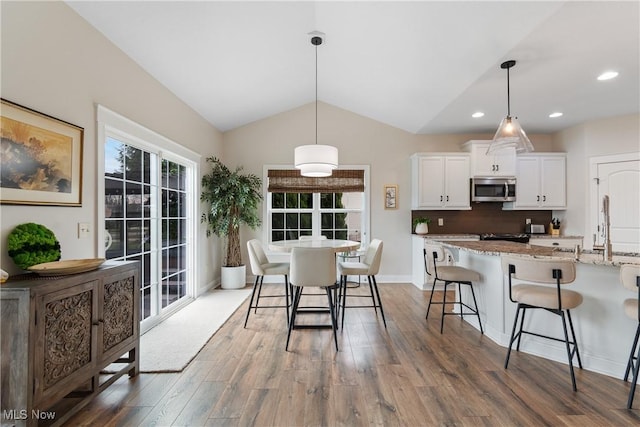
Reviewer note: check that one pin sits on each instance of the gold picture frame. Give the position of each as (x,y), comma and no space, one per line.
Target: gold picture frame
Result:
(41,158)
(391,196)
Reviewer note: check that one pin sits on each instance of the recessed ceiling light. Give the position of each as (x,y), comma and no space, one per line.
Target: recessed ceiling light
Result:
(477,114)
(556,114)
(608,75)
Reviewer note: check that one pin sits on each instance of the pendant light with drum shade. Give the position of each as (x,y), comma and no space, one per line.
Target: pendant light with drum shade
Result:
(510,134)
(316,160)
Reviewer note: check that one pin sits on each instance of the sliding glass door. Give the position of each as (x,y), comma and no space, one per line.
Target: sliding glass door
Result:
(148,197)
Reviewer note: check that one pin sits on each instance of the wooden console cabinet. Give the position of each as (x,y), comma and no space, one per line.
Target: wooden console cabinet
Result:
(59,334)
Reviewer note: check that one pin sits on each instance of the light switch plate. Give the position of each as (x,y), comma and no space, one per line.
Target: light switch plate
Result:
(440,222)
(84,230)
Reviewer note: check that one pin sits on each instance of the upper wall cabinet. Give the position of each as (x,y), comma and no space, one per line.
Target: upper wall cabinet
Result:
(541,182)
(440,181)
(502,163)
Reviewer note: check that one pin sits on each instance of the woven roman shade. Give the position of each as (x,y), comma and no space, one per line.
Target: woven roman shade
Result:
(290,181)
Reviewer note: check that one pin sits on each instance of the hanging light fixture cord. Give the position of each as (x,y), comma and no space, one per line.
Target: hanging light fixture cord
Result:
(316,41)
(507,65)
(316,44)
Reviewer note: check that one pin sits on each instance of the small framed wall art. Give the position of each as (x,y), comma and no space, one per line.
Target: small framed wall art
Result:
(390,196)
(41,158)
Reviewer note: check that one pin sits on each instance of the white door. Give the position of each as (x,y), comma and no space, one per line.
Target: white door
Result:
(621,181)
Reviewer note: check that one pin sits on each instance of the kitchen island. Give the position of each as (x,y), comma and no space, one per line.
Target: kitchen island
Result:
(604,332)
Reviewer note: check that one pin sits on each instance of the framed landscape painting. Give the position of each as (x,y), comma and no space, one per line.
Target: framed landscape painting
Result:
(41,158)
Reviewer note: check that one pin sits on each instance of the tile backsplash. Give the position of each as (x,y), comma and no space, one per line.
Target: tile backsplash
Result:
(482,218)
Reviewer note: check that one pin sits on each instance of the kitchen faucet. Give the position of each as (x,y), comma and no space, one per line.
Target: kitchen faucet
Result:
(605,247)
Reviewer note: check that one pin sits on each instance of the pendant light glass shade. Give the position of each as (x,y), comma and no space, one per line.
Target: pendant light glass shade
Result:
(316,160)
(510,134)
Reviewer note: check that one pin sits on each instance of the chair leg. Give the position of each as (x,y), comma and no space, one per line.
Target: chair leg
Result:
(287,303)
(375,286)
(343,294)
(444,304)
(296,301)
(259,291)
(375,307)
(566,342)
(333,317)
(253,293)
(433,288)
(632,357)
(524,311)
(473,294)
(513,333)
(575,340)
(636,368)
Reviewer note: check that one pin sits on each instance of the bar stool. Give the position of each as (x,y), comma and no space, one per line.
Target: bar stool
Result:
(260,267)
(434,255)
(630,278)
(538,295)
(368,267)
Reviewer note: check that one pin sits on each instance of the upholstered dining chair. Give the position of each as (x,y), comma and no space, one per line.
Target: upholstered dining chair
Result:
(630,278)
(545,280)
(369,267)
(260,267)
(438,265)
(313,267)
(313,238)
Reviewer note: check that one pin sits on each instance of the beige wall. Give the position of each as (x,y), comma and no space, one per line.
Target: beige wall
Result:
(56,63)
(360,141)
(616,135)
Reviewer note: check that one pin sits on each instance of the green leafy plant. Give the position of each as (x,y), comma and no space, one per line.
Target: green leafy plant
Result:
(232,198)
(421,221)
(30,244)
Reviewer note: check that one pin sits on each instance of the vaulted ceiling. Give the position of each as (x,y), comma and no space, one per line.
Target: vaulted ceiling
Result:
(422,66)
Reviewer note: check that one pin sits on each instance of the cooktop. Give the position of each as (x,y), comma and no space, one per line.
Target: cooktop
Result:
(509,237)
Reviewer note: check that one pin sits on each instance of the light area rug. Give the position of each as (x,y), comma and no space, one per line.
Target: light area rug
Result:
(171,345)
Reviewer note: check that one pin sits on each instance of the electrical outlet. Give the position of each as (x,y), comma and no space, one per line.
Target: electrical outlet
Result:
(84,230)
(527,221)
(440,222)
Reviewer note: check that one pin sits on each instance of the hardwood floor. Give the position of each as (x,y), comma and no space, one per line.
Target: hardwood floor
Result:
(406,375)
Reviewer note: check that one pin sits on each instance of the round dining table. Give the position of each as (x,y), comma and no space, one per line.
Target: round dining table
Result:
(337,245)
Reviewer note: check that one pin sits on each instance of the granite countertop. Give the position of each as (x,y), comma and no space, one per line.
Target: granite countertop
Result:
(551,236)
(499,247)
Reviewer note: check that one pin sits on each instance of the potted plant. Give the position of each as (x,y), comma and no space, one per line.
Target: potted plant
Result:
(232,199)
(421,225)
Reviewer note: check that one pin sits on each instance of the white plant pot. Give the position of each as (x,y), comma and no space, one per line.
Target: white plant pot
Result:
(233,277)
(422,228)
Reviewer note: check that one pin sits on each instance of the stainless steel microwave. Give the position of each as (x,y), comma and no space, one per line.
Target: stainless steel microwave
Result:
(493,189)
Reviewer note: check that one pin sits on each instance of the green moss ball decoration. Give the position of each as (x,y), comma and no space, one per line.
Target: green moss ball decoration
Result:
(30,244)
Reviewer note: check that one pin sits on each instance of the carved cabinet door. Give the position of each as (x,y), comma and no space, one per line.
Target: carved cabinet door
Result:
(65,340)
(118,314)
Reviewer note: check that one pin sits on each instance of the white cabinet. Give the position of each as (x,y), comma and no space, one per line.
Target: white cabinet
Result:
(540,182)
(501,163)
(440,181)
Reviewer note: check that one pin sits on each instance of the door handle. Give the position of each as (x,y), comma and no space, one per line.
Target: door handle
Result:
(441,198)
(544,198)
(447,198)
